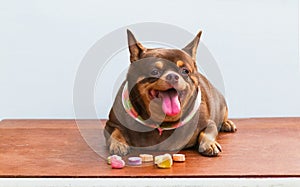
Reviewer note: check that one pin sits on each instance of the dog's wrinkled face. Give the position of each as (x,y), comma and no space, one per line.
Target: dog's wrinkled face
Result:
(163,83)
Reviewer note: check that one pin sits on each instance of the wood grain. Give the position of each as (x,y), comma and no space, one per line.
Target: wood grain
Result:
(266,147)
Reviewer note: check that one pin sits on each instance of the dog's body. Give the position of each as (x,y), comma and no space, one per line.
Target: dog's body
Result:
(165,104)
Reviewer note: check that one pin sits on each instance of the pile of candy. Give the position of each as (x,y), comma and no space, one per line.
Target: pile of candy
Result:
(161,161)
(116,162)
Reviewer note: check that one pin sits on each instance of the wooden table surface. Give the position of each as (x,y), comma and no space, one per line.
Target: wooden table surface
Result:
(267,147)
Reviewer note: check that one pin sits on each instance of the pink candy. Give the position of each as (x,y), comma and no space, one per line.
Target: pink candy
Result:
(115,157)
(117,164)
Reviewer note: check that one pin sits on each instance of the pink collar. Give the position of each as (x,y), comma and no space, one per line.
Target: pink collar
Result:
(132,112)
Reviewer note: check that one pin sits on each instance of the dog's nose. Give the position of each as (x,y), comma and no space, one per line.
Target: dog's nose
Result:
(172,78)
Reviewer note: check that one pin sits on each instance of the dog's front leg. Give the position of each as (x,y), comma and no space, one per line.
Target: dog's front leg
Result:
(117,144)
(208,146)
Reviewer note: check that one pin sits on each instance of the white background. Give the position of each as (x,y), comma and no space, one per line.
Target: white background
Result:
(42,43)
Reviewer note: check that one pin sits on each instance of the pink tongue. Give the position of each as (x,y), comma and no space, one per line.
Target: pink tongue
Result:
(170,102)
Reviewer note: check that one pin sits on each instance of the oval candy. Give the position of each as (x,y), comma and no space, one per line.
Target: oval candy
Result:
(134,161)
(178,157)
(146,157)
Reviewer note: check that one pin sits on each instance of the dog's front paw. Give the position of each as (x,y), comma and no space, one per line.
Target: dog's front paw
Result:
(209,148)
(118,148)
(228,126)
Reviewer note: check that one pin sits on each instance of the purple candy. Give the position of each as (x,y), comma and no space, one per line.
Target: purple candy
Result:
(134,161)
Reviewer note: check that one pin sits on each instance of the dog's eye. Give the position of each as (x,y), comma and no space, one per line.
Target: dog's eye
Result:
(155,72)
(185,71)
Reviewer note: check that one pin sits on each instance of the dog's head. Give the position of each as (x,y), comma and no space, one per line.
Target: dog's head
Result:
(162,83)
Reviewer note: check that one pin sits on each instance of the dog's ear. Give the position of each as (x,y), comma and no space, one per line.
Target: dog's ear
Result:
(191,48)
(135,47)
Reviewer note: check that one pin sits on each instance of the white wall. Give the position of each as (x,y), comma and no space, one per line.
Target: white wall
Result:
(42,44)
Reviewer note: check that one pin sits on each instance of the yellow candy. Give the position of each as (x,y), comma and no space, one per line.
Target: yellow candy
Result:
(165,164)
(158,159)
(164,161)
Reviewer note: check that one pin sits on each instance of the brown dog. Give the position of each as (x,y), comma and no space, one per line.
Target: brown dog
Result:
(165,104)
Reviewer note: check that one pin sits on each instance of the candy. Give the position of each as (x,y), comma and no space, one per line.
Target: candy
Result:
(134,161)
(146,157)
(179,157)
(164,161)
(158,159)
(116,157)
(117,164)
(115,161)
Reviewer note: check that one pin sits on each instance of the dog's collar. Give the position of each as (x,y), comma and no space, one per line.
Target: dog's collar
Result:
(132,112)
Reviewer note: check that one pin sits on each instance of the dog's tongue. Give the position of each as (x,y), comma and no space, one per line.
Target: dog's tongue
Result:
(170,102)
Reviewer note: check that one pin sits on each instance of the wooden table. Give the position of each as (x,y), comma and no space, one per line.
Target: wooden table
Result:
(268,147)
